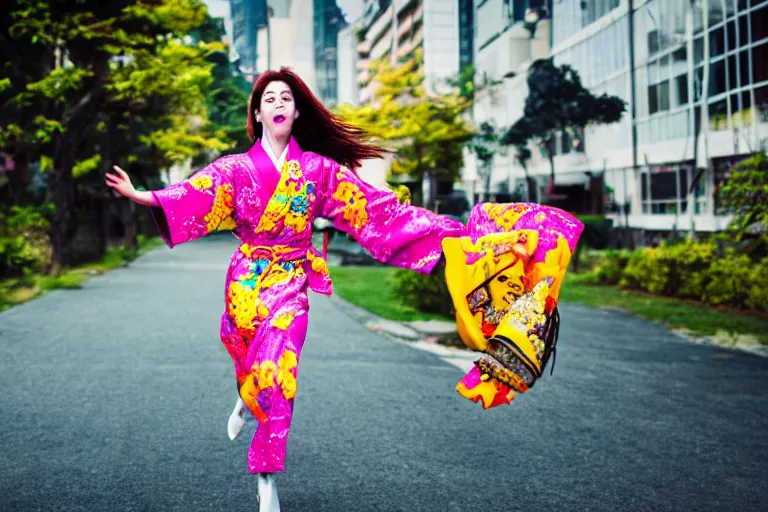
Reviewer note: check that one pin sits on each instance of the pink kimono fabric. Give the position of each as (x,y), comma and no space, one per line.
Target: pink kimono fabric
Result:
(271,211)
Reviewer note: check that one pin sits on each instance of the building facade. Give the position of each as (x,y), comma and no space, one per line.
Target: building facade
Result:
(248,17)
(288,40)
(695,81)
(328,22)
(396,29)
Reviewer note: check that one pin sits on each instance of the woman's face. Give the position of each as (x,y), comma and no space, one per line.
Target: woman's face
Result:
(277,110)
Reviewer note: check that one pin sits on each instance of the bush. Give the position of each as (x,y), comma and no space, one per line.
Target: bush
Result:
(674,270)
(24,242)
(758,291)
(425,293)
(729,280)
(687,263)
(612,266)
(643,272)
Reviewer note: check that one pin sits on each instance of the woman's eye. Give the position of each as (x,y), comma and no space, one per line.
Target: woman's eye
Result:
(503,279)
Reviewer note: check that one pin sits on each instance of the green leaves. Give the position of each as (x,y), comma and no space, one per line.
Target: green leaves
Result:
(424,127)
(745,194)
(556,102)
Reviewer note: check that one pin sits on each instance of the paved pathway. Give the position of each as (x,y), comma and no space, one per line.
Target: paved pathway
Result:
(115,398)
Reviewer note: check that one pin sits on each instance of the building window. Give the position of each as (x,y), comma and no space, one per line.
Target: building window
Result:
(664,189)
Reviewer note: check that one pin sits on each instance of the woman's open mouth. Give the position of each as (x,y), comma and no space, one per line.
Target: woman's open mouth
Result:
(279,119)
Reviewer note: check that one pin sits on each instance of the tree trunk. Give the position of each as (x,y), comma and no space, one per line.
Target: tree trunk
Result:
(61,189)
(130,240)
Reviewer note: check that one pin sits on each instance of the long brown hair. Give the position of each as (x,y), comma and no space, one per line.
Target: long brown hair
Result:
(317,129)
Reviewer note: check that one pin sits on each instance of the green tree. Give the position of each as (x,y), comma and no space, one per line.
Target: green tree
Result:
(557,102)
(98,65)
(427,131)
(745,194)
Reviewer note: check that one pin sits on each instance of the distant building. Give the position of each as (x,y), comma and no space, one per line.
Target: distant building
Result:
(248,16)
(328,21)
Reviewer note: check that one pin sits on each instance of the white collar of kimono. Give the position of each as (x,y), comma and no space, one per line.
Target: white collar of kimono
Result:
(268,149)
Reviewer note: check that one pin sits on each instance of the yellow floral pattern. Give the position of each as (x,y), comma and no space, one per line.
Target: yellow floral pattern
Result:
(283,321)
(505,215)
(286,377)
(289,205)
(354,204)
(201,182)
(319,265)
(244,306)
(223,206)
(266,374)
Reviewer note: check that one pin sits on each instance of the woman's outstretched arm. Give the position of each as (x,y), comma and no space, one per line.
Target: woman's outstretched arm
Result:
(121,184)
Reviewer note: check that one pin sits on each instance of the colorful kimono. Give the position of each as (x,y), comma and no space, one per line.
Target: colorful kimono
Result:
(271,211)
(504,278)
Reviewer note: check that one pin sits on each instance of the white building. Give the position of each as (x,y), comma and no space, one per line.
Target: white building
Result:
(647,160)
(289,39)
(397,30)
(346,65)
(504,49)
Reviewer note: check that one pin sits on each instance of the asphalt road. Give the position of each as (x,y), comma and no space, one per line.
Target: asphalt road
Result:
(116,397)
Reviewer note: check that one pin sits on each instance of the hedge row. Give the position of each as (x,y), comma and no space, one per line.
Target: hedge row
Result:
(689,270)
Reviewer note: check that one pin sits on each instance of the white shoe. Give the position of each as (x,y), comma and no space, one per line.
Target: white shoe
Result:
(268,501)
(238,419)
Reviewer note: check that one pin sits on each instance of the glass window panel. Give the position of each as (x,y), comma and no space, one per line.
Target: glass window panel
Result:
(681,87)
(683,176)
(742,5)
(680,55)
(664,68)
(698,82)
(743,30)
(760,63)
(729,8)
(732,73)
(653,100)
(698,50)
(746,109)
(698,18)
(718,116)
(717,83)
(744,68)
(759,23)
(761,103)
(663,90)
(717,42)
(663,185)
(735,109)
(644,186)
(730,29)
(715,12)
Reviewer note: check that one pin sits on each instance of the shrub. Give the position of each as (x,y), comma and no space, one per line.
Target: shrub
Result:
(687,263)
(729,281)
(612,266)
(425,293)
(643,272)
(758,291)
(24,241)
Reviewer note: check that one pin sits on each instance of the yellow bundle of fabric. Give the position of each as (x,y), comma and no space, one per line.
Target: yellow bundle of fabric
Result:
(504,278)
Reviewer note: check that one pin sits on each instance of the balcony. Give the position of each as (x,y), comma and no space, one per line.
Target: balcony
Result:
(407,24)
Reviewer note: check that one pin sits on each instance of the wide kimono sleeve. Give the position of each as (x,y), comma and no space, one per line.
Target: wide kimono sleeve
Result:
(195,207)
(396,234)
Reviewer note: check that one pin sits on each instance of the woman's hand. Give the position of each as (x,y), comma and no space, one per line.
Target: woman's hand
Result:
(121,183)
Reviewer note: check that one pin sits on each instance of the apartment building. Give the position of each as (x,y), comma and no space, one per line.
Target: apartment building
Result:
(394,29)
(694,77)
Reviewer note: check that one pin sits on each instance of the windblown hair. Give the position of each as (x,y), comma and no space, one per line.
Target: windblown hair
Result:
(317,129)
